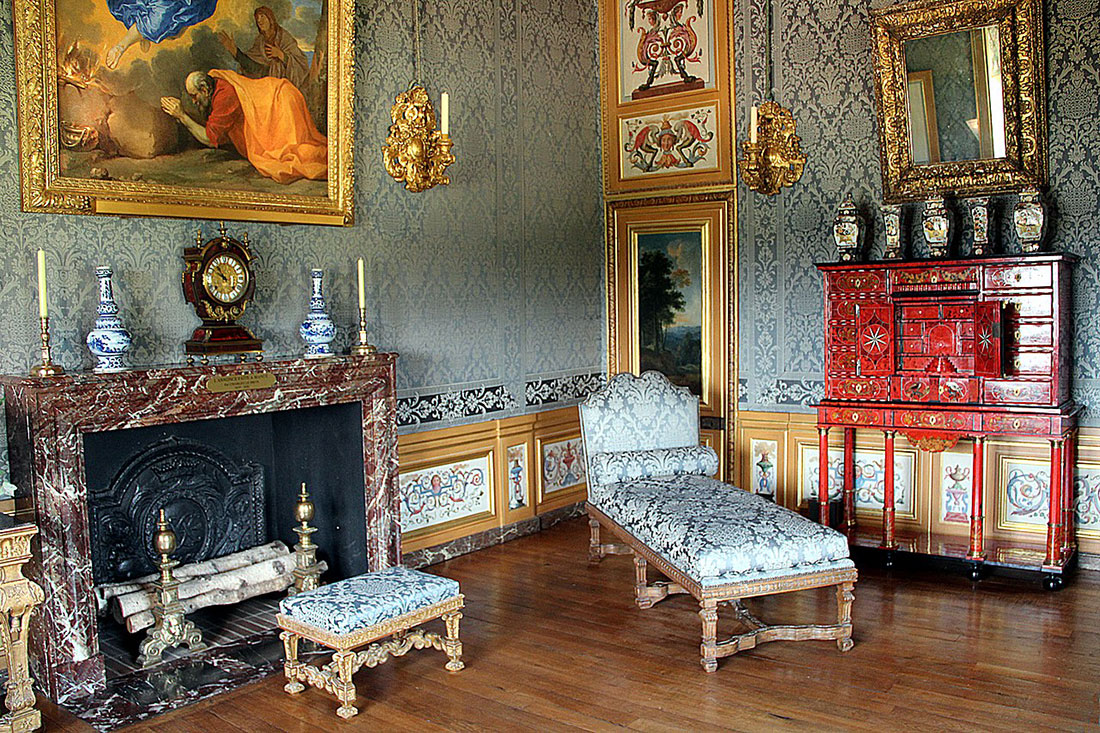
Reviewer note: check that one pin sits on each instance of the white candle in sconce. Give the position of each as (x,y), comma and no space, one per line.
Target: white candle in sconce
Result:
(445,104)
(752,125)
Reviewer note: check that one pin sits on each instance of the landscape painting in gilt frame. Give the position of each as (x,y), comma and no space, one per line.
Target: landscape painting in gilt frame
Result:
(231,109)
(669,269)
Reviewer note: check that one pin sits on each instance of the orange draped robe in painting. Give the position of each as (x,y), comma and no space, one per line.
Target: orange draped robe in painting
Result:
(276,134)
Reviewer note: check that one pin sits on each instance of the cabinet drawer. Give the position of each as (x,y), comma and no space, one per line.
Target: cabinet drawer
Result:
(1017,424)
(842,310)
(1028,306)
(843,334)
(853,416)
(1019,276)
(915,389)
(1004,391)
(859,281)
(844,362)
(1030,334)
(1028,362)
(958,390)
(871,388)
(920,313)
(937,420)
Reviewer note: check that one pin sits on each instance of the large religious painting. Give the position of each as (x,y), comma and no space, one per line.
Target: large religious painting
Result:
(665,69)
(236,109)
(669,280)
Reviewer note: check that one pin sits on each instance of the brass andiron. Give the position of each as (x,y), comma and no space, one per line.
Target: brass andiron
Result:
(171,627)
(47,368)
(415,152)
(364,347)
(307,572)
(773,156)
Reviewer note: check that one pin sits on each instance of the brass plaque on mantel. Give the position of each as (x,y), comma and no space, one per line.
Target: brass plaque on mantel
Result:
(240,382)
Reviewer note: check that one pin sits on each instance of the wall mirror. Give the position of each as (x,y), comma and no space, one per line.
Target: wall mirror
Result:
(960,87)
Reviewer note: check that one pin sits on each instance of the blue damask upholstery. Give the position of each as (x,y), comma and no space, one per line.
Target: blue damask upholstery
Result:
(639,413)
(716,533)
(354,604)
(606,468)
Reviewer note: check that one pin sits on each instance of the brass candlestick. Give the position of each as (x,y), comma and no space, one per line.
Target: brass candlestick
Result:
(307,572)
(364,347)
(47,368)
(171,627)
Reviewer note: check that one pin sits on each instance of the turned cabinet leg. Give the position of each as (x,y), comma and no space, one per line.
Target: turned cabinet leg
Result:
(888,541)
(977,504)
(845,594)
(452,645)
(1069,493)
(708,612)
(344,662)
(823,475)
(850,480)
(290,664)
(595,551)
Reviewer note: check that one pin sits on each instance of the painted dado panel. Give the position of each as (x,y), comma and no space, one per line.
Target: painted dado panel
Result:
(464,480)
(823,72)
(932,489)
(487,288)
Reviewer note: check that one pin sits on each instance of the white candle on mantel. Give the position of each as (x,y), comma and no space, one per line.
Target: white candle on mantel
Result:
(752,125)
(362,294)
(445,103)
(41,283)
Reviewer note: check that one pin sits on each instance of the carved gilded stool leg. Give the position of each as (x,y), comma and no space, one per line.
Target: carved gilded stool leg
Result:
(451,645)
(845,594)
(291,665)
(708,612)
(343,687)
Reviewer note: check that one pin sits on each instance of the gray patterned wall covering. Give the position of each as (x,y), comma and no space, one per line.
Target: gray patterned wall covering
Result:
(823,72)
(482,286)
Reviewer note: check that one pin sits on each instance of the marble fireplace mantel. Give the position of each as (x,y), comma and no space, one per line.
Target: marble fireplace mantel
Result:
(47,419)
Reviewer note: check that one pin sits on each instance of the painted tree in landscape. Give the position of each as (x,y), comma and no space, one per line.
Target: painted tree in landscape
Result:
(659,297)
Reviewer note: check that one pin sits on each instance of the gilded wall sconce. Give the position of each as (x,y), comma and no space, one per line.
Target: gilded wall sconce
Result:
(772,156)
(415,152)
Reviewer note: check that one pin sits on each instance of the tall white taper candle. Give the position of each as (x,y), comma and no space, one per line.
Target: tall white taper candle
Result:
(362,293)
(41,283)
(445,103)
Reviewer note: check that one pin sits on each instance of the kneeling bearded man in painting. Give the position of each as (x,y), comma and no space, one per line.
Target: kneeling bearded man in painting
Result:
(265,119)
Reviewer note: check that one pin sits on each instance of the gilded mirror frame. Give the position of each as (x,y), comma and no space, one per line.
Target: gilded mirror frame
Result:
(1020,25)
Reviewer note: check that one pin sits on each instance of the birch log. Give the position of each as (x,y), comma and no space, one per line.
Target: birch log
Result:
(144,619)
(128,604)
(104,593)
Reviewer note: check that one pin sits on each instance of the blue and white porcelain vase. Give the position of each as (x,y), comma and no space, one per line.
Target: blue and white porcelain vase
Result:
(317,329)
(109,340)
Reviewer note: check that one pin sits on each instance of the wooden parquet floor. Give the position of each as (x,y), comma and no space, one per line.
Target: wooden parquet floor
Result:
(551,644)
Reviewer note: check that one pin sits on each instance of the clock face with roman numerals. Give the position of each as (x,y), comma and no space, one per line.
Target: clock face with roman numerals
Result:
(225,278)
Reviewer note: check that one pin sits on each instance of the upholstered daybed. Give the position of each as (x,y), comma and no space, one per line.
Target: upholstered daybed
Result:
(649,484)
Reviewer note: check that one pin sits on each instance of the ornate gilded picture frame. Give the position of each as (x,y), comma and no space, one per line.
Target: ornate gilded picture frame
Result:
(1016,62)
(221,109)
(666,92)
(671,296)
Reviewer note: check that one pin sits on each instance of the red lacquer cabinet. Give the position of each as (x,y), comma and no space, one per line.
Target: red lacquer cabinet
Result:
(939,350)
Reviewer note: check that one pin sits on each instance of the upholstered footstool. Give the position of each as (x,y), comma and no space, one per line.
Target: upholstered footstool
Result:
(352,613)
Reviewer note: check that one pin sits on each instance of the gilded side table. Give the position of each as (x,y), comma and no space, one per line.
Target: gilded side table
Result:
(18,597)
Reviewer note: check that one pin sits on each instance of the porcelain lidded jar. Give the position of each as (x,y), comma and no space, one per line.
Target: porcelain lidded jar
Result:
(848,231)
(109,340)
(979,220)
(895,245)
(936,227)
(317,329)
(1030,219)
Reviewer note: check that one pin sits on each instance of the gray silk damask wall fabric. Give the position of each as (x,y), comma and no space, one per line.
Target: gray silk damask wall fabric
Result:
(822,51)
(489,288)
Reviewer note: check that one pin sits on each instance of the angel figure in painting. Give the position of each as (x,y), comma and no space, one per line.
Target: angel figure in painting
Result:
(265,119)
(151,21)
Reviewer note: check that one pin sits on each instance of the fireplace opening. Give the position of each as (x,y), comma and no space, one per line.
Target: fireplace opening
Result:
(226,485)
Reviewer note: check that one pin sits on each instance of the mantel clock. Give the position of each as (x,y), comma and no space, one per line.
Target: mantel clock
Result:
(219,282)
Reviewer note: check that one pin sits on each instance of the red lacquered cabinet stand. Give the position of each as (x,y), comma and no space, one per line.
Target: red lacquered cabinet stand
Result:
(940,350)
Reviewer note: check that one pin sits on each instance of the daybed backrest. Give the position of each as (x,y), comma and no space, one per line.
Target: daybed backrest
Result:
(639,413)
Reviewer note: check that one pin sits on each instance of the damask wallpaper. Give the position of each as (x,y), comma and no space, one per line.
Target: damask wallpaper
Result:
(822,52)
(484,287)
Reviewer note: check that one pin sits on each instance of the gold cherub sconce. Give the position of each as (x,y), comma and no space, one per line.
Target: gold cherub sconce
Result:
(773,156)
(415,152)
